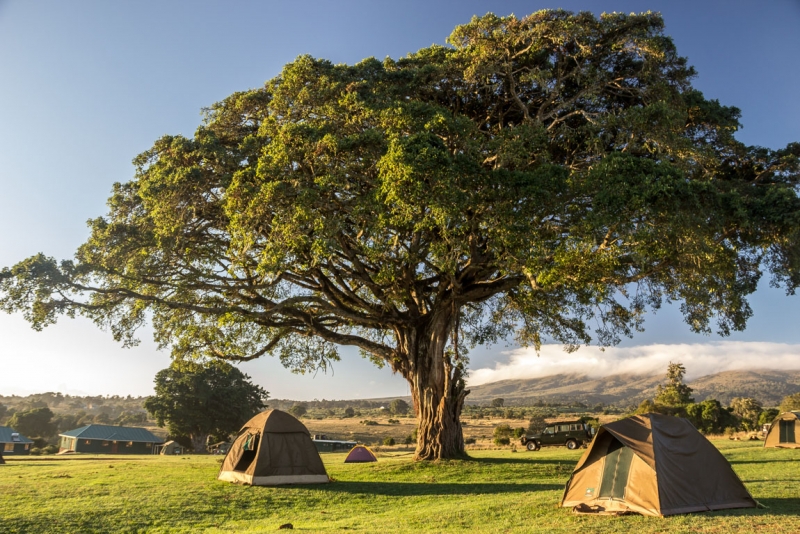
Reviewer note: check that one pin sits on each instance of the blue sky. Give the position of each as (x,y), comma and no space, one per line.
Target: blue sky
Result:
(87,85)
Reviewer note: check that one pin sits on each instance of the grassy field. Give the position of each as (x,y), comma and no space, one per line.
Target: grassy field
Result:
(495,491)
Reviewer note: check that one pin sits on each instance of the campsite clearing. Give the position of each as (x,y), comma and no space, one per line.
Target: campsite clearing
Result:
(495,491)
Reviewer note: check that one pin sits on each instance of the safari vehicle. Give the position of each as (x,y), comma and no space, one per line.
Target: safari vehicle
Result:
(572,434)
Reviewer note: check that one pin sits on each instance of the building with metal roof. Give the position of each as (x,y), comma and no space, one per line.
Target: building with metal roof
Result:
(12,442)
(99,439)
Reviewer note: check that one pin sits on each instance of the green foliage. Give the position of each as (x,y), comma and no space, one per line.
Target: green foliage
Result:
(398,407)
(3,411)
(388,441)
(34,423)
(748,410)
(767,416)
(674,393)
(709,417)
(298,410)
(409,440)
(498,403)
(349,412)
(203,399)
(502,434)
(541,175)
(790,403)
(536,424)
(518,432)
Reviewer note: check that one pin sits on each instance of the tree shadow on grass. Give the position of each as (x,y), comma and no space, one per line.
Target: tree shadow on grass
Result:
(410,489)
(742,462)
(788,507)
(524,460)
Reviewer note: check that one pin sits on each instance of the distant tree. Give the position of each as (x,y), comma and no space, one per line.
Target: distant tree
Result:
(709,417)
(200,399)
(298,410)
(66,422)
(536,424)
(3,410)
(131,418)
(498,403)
(36,422)
(767,416)
(102,418)
(398,407)
(790,403)
(388,441)
(747,409)
(674,392)
(349,412)
(647,406)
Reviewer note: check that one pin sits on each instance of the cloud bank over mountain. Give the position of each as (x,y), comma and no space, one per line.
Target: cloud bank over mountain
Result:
(700,359)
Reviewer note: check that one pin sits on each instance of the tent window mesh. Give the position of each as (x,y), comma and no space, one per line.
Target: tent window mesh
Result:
(615,471)
(787,431)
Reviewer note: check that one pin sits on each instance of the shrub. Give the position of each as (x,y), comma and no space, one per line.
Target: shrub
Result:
(398,407)
(298,410)
(502,441)
(502,431)
(36,451)
(50,449)
(409,440)
(388,441)
(349,412)
(519,432)
(469,441)
(368,422)
(393,422)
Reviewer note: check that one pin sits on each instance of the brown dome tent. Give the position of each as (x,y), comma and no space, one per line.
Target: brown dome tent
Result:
(360,453)
(653,465)
(273,448)
(783,431)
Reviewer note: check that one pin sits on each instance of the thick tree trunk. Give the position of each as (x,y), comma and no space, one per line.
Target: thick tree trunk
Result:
(199,442)
(437,389)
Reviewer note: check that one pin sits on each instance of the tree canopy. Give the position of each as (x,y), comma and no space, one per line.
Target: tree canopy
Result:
(790,403)
(551,177)
(33,423)
(198,400)
(674,392)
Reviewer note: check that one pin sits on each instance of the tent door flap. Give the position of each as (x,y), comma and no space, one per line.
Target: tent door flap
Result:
(616,469)
(787,431)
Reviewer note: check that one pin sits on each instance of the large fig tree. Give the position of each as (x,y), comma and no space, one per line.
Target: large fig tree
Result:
(551,177)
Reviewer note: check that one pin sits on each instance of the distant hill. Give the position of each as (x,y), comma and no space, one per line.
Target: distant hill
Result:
(768,386)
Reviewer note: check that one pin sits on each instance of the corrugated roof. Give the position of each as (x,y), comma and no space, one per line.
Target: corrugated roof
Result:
(112,433)
(5,436)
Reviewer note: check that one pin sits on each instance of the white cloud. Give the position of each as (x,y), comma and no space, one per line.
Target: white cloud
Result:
(700,359)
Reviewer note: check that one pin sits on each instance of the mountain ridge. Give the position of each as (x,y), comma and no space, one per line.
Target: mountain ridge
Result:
(768,386)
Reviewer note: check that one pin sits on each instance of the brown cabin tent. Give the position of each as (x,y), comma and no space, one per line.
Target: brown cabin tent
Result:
(784,431)
(171,448)
(653,464)
(273,448)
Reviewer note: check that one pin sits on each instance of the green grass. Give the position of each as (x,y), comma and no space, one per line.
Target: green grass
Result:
(495,491)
